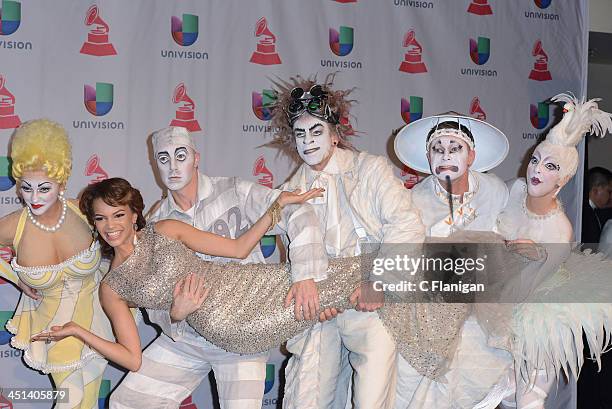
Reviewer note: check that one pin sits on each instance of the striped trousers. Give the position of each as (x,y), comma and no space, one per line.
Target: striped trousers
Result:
(172,370)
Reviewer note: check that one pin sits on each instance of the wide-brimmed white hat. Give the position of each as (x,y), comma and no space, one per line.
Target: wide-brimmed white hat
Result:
(490,144)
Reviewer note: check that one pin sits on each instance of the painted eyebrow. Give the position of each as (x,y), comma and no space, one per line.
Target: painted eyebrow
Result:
(39,185)
(181,149)
(315,126)
(163,153)
(299,129)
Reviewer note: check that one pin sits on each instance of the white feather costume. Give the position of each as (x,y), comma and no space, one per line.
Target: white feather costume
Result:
(547,329)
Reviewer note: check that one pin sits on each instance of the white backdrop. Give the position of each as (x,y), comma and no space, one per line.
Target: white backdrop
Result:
(111,83)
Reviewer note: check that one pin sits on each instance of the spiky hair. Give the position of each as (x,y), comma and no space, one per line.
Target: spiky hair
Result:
(337,100)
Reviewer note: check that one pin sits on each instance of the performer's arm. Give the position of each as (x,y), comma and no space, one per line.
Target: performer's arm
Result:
(301,226)
(126,351)
(212,244)
(401,223)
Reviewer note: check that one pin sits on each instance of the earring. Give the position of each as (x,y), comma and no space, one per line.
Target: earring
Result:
(335,143)
(95,234)
(135,240)
(61,193)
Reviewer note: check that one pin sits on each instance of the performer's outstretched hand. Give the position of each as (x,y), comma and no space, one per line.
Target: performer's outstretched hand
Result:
(189,294)
(296,197)
(365,298)
(306,298)
(58,332)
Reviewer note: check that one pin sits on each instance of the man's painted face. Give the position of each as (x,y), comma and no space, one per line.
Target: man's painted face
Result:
(176,164)
(38,191)
(313,138)
(448,156)
(543,173)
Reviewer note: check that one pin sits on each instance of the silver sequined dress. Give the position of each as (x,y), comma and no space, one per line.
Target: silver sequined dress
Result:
(244,310)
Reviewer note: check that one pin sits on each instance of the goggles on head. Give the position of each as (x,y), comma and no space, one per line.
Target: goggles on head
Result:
(313,101)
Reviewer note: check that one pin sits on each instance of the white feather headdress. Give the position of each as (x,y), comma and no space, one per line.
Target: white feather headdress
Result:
(579,118)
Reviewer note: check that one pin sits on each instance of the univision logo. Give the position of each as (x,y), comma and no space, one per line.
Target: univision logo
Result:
(412,109)
(6,180)
(99,100)
(104,391)
(541,15)
(184,32)
(262,104)
(539,115)
(270,375)
(5,336)
(480,50)
(10,17)
(341,42)
(542,3)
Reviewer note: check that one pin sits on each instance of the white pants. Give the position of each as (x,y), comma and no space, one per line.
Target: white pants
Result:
(473,372)
(545,393)
(313,370)
(171,371)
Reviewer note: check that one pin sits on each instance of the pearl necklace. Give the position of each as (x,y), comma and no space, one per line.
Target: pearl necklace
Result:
(534,216)
(47,228)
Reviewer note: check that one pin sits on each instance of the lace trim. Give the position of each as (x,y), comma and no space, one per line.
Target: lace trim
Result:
(52,368)
(95,245)
(10,327)
(534,216)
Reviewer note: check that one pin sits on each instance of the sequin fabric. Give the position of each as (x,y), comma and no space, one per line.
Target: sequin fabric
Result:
(244,311)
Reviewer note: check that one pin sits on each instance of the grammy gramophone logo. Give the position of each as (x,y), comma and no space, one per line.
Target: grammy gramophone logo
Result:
(97,42)
(476,110)
(413,58)
(540,66)
(185,113)
(95,170)
(8,118)
(480,7)
(263,174)
(265,54)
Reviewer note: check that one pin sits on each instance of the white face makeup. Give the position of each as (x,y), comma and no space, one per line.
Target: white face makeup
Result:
(176,164)
(448,156)
(39,192)
(313,139)
(543,173)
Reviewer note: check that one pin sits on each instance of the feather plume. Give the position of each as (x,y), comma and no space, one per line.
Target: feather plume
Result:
(580,117)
